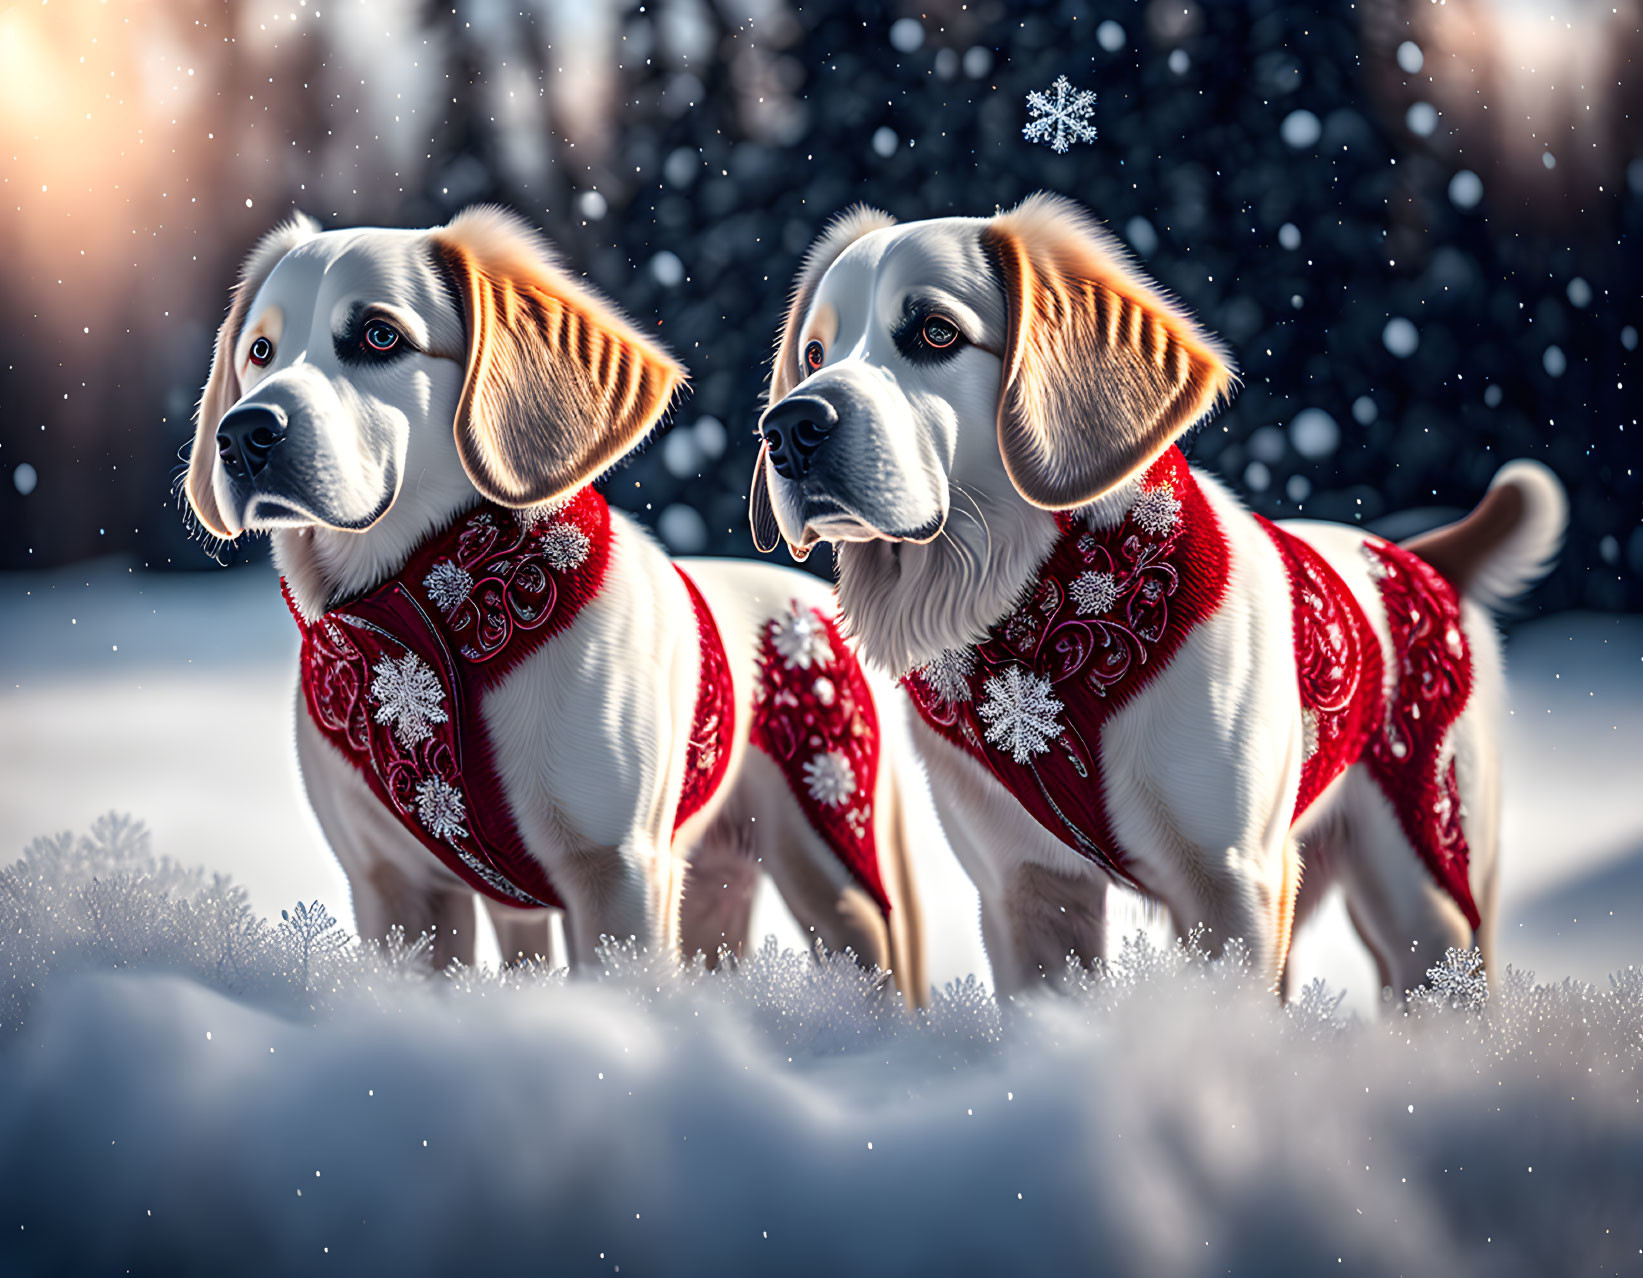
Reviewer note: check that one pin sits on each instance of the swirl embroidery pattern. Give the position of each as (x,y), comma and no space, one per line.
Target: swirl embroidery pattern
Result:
(1431,665)
(1110,607)
(1337,665)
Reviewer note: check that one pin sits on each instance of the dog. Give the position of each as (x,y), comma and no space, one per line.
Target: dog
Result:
(1121,675)
(506,686)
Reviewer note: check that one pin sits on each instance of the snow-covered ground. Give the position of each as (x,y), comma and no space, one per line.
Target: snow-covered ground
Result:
(173,1084)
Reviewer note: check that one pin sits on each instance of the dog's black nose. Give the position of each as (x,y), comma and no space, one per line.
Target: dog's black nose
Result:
(246,436)
(795,429)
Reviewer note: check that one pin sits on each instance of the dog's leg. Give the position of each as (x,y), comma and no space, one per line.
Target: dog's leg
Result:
(616,893)
(1405,918)
(723,875)
(1045,918)
(896,863)
(521,935)
(385,898)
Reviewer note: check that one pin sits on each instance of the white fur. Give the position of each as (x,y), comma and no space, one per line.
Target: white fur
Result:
(1202,768)
(590,731)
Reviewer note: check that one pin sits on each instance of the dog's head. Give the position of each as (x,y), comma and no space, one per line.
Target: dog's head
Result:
(357,364)
(970,353)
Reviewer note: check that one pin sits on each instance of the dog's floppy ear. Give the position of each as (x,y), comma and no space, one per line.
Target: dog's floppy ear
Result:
(838,235)
(559,384)
(223,387)
(1101,371)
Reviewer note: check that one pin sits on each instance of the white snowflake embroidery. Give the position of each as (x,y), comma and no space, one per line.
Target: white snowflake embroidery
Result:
(565,546)
(447,584)
(948,676)
(829,778)
(408,696)
(1021,715)
(1061,120)
(825,691)
(1157,510)
(441,809)
(1094,593)
(800,637)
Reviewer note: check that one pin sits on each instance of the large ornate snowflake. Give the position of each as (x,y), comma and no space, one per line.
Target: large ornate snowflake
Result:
(1094,593)
(447,584)
(441,809)
(829,778)
(565,546)
(1021,715)
(1061,119)
(1157,510)
(800,637)
(948,676)
(408,695)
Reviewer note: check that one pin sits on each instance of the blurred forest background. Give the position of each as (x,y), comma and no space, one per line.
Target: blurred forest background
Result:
(1416,225)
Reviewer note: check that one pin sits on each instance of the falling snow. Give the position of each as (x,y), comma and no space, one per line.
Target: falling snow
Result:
(1061,119)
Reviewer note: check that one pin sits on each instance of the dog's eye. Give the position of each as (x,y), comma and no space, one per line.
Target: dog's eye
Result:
(814,356)
(381,337)
(262,350)
(940,332)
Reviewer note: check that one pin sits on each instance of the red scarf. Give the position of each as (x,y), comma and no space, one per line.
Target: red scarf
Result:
(1111,607)
(396,680)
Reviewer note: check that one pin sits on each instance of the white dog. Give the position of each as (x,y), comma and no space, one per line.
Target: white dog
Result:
(506,686)
(1121,673)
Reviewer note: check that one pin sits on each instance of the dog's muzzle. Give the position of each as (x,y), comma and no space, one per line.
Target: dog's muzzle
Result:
(795,428)
(246,436)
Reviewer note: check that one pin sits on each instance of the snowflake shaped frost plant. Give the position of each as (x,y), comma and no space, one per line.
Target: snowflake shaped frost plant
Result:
(829,779)
(408,695)
(800,638)
(1061,120)
(1021,715)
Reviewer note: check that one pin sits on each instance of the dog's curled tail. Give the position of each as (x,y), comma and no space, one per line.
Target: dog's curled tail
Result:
(1509,541)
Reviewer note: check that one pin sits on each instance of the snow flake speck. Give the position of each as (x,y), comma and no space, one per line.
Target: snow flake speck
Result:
(1061,116)
(1021,715)
(1157,510)
(829,778)
(447,584)
(565,546)
(441,808)
(1094,593)
(800,638)
(408,695)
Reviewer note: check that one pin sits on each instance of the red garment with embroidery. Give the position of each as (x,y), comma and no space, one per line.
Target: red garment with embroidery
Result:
(1337,665)
(814,715)
(1431,666)
(1111,607)
(1108,611)
(396,680)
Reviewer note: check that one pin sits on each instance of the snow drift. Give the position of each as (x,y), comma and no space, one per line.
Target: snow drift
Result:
(188,1088)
